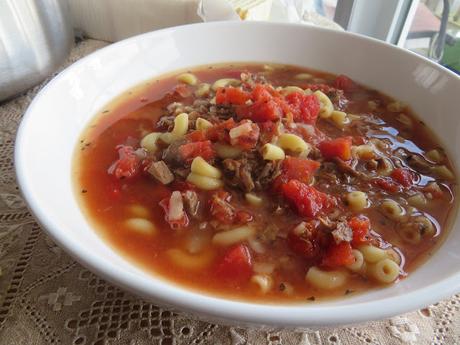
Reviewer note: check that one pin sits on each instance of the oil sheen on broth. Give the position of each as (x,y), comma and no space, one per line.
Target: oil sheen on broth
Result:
(266,183)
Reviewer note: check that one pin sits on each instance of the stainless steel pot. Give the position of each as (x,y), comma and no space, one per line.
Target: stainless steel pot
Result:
(35,38)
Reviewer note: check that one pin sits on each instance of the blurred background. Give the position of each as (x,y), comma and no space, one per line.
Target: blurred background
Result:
(36,35)
(428,27)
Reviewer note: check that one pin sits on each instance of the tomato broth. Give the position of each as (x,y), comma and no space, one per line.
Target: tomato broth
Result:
(265,182)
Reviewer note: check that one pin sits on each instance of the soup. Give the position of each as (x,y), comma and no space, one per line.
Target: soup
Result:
(265,182)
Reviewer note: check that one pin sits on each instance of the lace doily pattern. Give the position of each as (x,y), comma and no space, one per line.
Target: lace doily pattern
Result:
(47,298)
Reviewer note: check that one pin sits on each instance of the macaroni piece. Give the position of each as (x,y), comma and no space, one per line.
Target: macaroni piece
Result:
(327,280)
(326,105)
(201,167)
(293,143)
(204,182)
(188,78)
(272,152)
(149,142)
(227,238)
(141,225)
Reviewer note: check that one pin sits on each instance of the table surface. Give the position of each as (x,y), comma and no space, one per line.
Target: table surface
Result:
(48,298)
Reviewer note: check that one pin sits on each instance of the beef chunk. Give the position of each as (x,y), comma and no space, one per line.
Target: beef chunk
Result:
(161,172)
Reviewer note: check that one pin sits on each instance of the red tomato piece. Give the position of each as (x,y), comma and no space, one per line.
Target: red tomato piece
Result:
(268,130)
(128,164)
(267,105)
(197,136)
(403,176)
(307,200)
(261,111)
(301,169)
(221,209)
(344,83)
(387,184)
(305,108)
(360,226)
(338,255)
(236,264)
(199,148)
(220,131)
(263,92)
(340,147)
(231,95)
(294,168)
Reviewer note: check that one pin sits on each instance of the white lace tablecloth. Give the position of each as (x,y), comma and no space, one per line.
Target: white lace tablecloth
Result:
(47,298)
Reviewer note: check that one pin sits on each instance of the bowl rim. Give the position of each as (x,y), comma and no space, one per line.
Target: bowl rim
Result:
(208,306)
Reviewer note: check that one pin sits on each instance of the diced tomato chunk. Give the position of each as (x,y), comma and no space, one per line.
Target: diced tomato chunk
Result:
(236,264)
(263,92)
(220,207)
(387,184)
(220,131)
(294,168)
(231,95)
(199,148)
(128,164)
(261,111)
(197,136)
(338,254)
(301,169)
(403,176)
(307,200)
(267,105)
(305,108)
(340,147)
(360,225)
(344,83)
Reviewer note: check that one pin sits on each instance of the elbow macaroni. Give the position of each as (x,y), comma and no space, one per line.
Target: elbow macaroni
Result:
(227,238)
(385,271)
(141,225)
(180,125)
(225,82)
(372,254)
(203,90)
(293,143)
(359,261)
(326,108)
(190,261)
(187,78)
(339,118)
(253,199)
(391,209)
(202,124)
(149,142)
(204,182)
(201,167)
(357,201)
(272,152)
(327,280)
(263,281)
(227,151)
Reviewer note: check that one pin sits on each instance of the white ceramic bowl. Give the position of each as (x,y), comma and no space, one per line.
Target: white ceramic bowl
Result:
(48,135)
